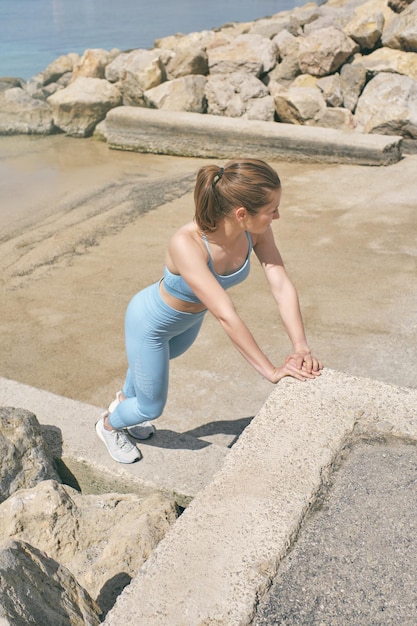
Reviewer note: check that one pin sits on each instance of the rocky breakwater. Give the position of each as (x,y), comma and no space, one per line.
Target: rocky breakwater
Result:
(64,556)
(343,65)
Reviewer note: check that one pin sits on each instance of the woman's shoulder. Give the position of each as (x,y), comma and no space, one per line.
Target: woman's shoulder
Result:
(187,233)
(187,237)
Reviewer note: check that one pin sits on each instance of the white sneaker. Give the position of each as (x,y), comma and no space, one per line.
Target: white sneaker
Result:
(141,431)
(118,444)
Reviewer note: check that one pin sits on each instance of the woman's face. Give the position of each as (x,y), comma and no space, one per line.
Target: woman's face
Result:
(260,222)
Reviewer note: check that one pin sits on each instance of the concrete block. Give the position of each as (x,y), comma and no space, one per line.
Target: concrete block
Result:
(197,135)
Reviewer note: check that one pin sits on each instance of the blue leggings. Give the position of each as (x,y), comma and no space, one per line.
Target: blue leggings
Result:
(155,333)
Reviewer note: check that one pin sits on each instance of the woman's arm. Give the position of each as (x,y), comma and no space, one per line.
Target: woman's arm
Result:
(286,298)
(190,261)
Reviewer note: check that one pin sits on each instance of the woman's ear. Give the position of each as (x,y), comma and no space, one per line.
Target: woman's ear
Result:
(240,213)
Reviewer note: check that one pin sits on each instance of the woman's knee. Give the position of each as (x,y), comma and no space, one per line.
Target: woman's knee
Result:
(150,411)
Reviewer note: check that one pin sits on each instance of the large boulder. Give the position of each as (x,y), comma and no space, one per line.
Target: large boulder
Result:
(24,459)
(180,94)
(252,54)
(187,61)
(239,95)
(102,540)
(93,63)
(401,32)
(61,65)
(21,114)
(269,27)
(287,51)
(331,88)
(366,26)
(398,113)
(78,108)
(389,60)
(147,65)
(35,589)
(298,104)
(324,51)
(352,80)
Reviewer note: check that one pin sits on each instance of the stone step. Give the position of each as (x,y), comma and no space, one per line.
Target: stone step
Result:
(197,135)
(178,464)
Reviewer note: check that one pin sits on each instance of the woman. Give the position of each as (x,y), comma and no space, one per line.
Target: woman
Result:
(234,209)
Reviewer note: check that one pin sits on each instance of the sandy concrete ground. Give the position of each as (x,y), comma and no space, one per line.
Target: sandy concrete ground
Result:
(83,228)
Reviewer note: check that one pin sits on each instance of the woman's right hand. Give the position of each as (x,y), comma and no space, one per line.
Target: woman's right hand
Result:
(290,369)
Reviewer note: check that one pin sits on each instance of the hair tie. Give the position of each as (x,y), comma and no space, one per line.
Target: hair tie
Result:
(218,176)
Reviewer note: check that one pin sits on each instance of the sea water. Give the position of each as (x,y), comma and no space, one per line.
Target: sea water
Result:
(36,32)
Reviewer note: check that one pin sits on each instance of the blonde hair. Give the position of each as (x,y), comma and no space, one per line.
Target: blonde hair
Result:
(241,182)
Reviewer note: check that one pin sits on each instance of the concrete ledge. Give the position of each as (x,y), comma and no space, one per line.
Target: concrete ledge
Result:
(176,464)
(196,135)
(220,556)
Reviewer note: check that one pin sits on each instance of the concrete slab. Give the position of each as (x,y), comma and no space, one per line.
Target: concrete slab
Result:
(222,553)
(193,134)
(355,560)
(176,464)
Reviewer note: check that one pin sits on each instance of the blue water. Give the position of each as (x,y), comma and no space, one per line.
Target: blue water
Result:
(35,32)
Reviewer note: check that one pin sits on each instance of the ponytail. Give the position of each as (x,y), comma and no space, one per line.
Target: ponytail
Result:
(219,190)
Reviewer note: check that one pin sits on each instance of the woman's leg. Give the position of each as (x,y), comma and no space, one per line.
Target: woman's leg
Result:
(155,333)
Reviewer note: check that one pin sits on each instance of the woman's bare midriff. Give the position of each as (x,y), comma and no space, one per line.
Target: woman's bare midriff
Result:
(180,305)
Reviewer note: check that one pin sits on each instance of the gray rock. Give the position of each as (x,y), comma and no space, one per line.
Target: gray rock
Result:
(399,5)
(24,459)
(398,115)
(352,79)
(181,94)
(366,26)
(270,27)
(187,61)
(252,54)
(331,88)
(389,60)
(298,105)
(21,114)
(35,589)
(93,63)
(401,32)
(234,94)
(262,109)
(337,118)
(287,44)
(147,65)
(78,531)
(329,16)
(78,108)
(288,68)
(60,66)
(132,90)
(8,82)
(324,51)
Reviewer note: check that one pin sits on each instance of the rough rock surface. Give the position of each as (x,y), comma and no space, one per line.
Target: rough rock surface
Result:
(55,528)
(235,94)
(180,94)
(19,113)
(78,531)
(78,108)
(24,458)
(401,92)
(35,589)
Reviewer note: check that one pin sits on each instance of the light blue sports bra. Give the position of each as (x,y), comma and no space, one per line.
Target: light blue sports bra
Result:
(175,285)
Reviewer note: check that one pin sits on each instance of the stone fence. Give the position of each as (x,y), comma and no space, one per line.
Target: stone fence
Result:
(350,66)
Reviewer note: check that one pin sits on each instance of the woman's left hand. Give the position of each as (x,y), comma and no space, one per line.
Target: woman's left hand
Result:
(306,361)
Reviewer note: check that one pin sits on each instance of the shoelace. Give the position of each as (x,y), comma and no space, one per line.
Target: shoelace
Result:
(121,440)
